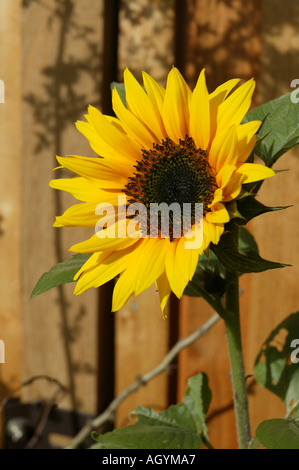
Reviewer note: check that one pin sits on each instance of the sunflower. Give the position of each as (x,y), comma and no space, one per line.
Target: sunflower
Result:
(169,145)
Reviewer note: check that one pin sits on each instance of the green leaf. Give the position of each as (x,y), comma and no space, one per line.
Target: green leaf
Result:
(249,207)
(246,240)
(181,426)
(208,277)
(254,443)
(274,368)
(62,273)
(120,87)
(280,130)
(197,399)
(247,261)
(210,272)
(278,434)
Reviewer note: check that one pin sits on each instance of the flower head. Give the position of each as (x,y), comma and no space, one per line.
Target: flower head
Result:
(172,146)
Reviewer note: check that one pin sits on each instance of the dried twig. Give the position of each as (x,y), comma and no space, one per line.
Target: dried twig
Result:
(108,414)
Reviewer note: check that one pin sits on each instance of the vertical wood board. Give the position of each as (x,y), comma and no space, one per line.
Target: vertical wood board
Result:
(10,197)
(62,69)
(142,335)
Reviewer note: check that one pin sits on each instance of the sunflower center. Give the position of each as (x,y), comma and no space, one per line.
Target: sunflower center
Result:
(172,173)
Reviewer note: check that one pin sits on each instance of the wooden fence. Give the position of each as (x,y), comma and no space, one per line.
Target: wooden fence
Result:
(58,56)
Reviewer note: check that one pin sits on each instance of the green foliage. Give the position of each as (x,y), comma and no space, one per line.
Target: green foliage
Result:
(62,273)
(181,426)
(246,240)
(273,367)
(246,261)
(209,277)
(243,257)
(280,129)
(249,207)
(278,434)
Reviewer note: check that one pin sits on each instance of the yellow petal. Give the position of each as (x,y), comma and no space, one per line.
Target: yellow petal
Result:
(216,98)
(111,241)
(220,93)
(122,291)
(234,108)
(109,265)
(93,168)
(175,110)
(164,291)
(152,263)
(83,189)
(200,113)
(254,172)
(89,264)
(218,196)
(247,139)
(224,150)
(139,103)
(214,231)
(156,94)
(175,277)
(135,129)
(218,215)
(186,260)
(112,133)
(78,215)
(230,182)
(125,286)
(111,157)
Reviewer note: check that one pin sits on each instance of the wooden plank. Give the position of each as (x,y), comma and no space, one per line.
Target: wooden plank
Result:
(141,335)
(274,295)
(146,37)
(10,196)
(222,37)
(62,57)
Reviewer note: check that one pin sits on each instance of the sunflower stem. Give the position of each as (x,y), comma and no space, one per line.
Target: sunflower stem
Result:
(233,333)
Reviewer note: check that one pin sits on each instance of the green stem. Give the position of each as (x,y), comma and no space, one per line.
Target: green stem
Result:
(233,332)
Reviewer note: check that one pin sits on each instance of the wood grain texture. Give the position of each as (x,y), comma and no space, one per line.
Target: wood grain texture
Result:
(141,334)
(146,37)
(10,197)
(141,342)
(62,57)
(274,295)
(61,48)
(225,39)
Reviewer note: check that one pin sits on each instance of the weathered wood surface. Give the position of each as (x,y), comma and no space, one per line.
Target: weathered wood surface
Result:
(52,69)
(10,197)
(233,39)
(274,295)
(62,69)
(141,335)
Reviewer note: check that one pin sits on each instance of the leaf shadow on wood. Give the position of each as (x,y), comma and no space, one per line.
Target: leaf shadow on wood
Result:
(274,368)
(60,104)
